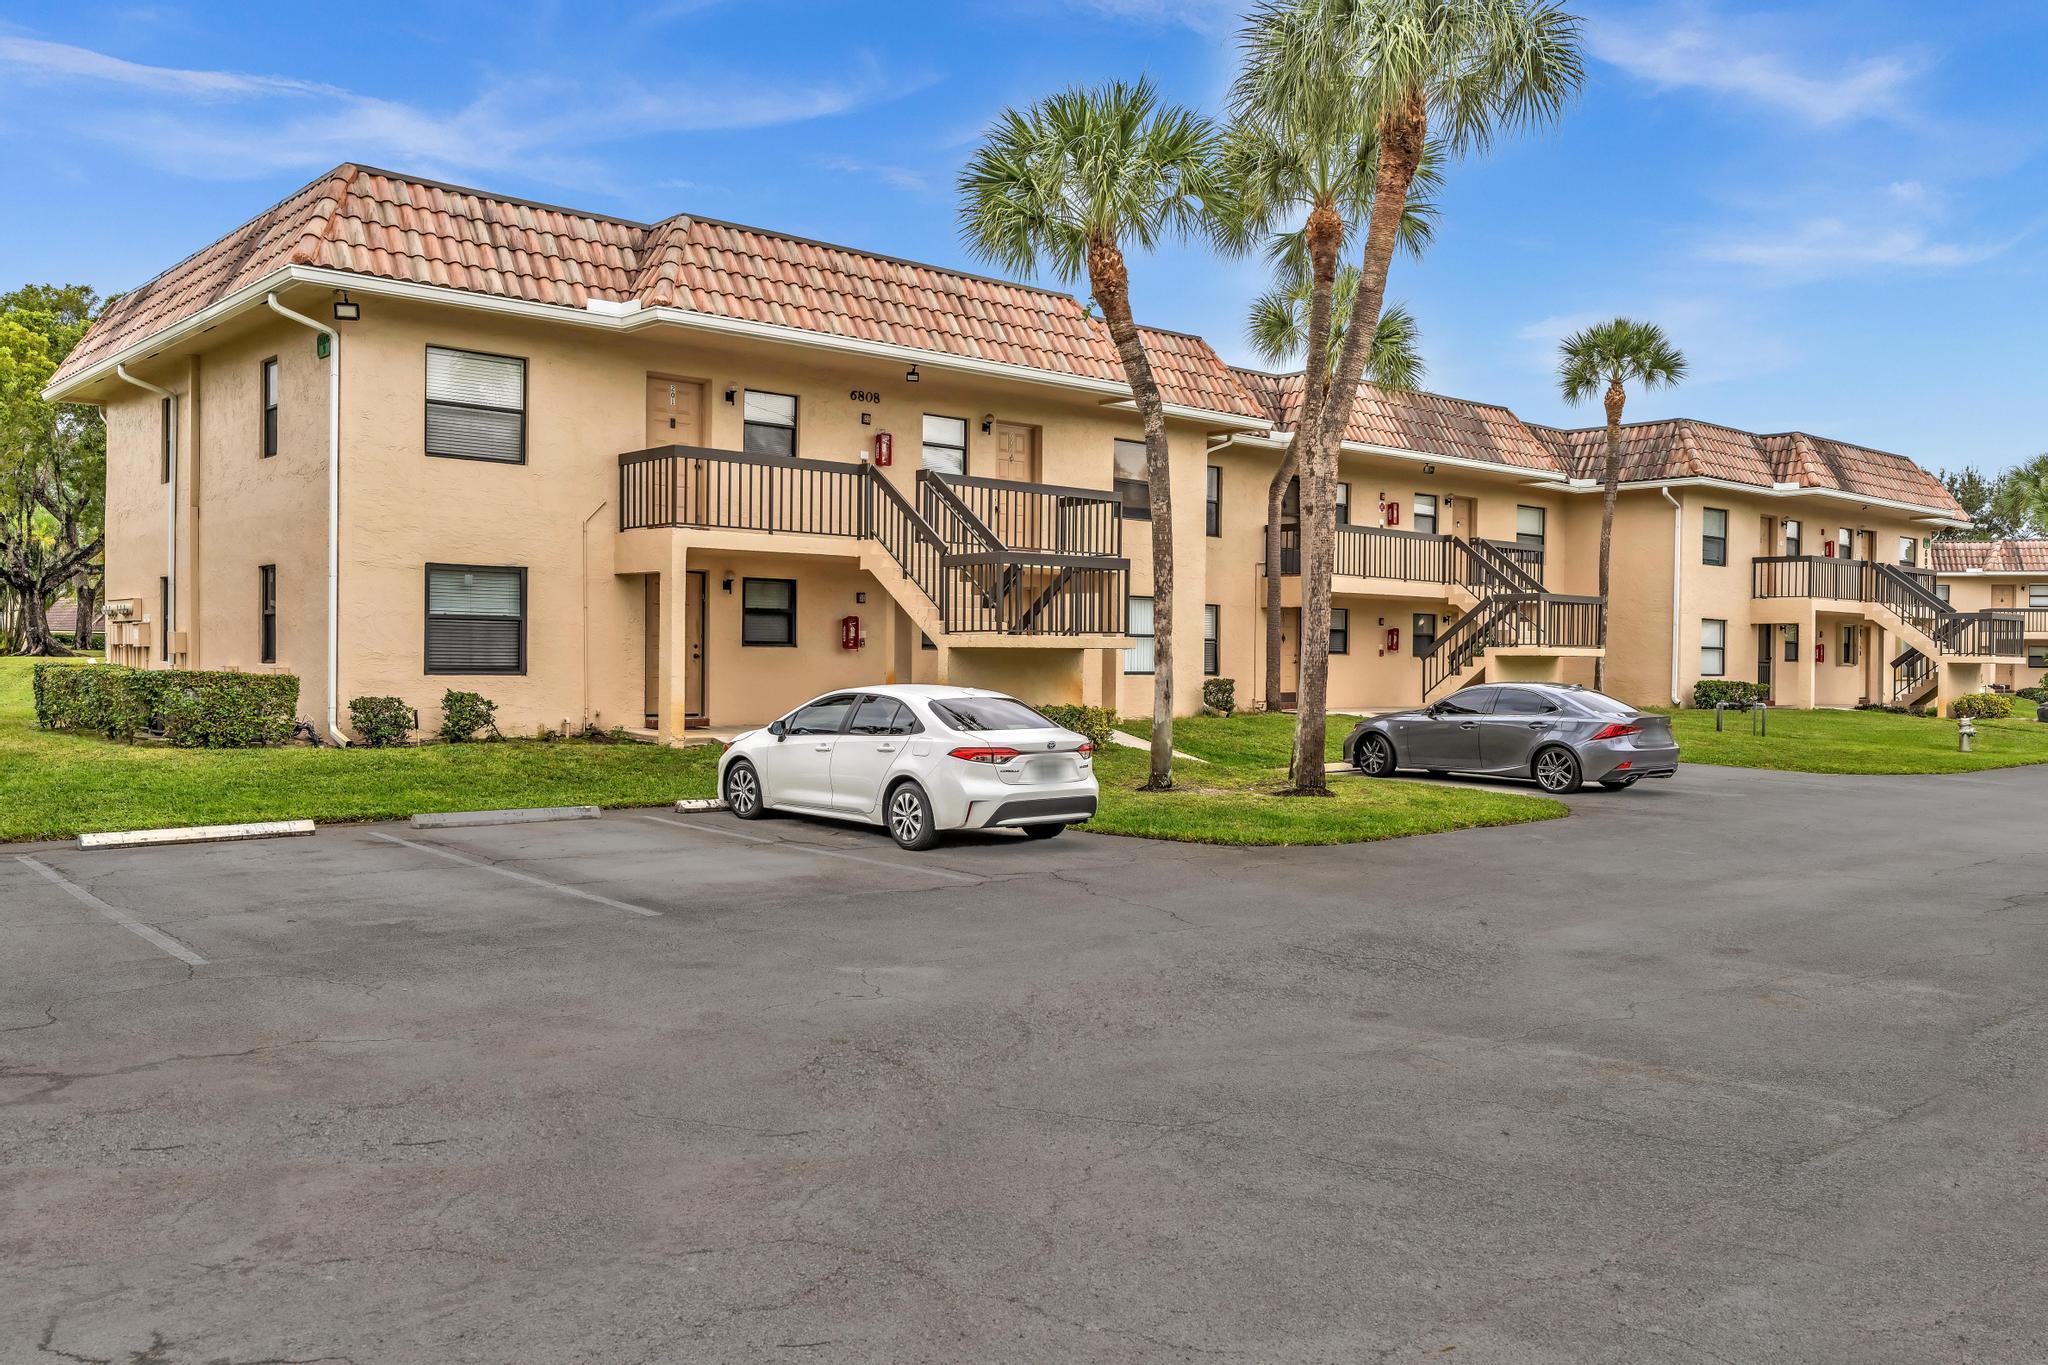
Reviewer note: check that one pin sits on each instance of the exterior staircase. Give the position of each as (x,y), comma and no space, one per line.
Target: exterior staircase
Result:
(1511,611)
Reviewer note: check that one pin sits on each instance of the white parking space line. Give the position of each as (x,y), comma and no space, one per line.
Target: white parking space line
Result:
(120,917)
(702,828)
(480,865)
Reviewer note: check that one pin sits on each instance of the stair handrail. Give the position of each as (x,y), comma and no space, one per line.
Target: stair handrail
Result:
(927,569)
(1497,572)
(1451,651)
(932,489)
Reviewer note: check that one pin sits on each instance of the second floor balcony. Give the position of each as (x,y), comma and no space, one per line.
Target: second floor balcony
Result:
(1900,595)
(1418,557)
(984,556)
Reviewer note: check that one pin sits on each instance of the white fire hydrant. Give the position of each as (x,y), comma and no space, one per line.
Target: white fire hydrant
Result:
(1965,732)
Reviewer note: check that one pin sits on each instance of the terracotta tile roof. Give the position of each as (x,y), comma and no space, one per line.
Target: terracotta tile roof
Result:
(373,222)
(1431,424)
(1684,448)
(1991,556)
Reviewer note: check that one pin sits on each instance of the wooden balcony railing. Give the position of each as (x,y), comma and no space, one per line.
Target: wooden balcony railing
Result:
(1903,590)
(945,544)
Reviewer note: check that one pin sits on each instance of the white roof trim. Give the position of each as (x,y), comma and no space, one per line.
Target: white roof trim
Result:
(1932,516)
(623,321)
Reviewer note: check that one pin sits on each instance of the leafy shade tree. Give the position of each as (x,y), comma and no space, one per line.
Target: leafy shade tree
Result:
(1066,187)
(1278,332)
(52,464)
(1332,79)
(1975,494)
(1604,360)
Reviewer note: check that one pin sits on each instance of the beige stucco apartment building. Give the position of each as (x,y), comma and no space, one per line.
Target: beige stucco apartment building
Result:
(397,436)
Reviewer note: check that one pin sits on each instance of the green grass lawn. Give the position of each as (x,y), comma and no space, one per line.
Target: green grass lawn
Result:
(1233,798)
(1857,742)
(54,785)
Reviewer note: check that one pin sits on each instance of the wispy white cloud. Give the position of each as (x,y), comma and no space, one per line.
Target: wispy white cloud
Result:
(900,177)
(1203,16)
(1694,49)
(35,59)
(1724,340)
(230,125)
(1899,226)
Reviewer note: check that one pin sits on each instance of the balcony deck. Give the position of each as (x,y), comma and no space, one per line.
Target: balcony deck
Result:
(1054,572)
(1900,597)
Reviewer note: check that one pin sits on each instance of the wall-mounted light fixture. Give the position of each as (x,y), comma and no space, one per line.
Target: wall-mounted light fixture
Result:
(988,423)
(910,375)
(732,395)
(346,309)
(1427,469)
(727,583)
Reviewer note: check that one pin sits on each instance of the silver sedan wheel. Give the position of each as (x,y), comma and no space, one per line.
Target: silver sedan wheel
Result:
(1375,756)
(742,791)
(1557,770)
(906,815)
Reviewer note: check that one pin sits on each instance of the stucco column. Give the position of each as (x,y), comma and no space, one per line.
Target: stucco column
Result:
(675,637)
(903,644)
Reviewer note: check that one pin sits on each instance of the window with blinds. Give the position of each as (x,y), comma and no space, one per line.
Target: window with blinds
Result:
(476,619)
(476,406)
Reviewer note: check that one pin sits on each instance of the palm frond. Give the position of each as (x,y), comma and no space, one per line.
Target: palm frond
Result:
(1624,351)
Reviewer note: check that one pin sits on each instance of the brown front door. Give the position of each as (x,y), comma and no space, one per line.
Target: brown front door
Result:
(693,668)
(1019,519)
(675,412)
(693,673)
(1464,517)
(1016,453)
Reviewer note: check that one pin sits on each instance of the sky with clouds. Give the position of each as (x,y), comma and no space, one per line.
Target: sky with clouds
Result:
(1837,208)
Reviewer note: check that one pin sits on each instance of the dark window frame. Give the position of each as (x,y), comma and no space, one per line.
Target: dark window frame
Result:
(1713,548)
(1417,635)
(267,408)
(1540,540)
(1847,657)
(1720,649)
(1212,643)
(1141,510)
(795,427)
(431,402)
(1789,635)
(1341,504)
(427,604)
(266,613)
(1794,532)
(1436,507)
(170,439)
(1212,493)
(747,613)
(163,597)
(1153,635)
(925,443)
(1340,635)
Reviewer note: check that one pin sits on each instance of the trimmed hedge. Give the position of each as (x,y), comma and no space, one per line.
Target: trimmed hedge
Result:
(379,722)
(2033,694)
(192,709)
(1982,706)
(1220,695)
(465,715)
(1092,722)
(1708,693)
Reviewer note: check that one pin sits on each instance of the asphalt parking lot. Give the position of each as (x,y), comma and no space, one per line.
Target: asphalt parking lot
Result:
(1742,1067)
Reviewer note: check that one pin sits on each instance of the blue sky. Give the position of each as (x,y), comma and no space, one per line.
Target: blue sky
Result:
(1837,209)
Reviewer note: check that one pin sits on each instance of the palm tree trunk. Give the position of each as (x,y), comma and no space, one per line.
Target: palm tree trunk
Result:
(1616,397)
(1276,503)
(1110,280)
(1403,134)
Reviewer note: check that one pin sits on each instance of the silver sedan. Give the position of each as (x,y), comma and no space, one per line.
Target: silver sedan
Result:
(1560,736)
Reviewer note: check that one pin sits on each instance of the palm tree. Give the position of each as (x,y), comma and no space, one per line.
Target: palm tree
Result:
(1327,77)
(1278,331)
(1605,360)
(1065,186)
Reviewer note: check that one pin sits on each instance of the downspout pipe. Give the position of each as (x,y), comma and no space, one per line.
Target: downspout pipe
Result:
(334,734)
(1677,583)
(170,513)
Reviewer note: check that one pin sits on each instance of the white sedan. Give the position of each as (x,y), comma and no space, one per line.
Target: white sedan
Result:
(916,760)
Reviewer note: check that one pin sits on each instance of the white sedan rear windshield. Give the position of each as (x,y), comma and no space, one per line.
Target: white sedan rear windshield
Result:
(989,713)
